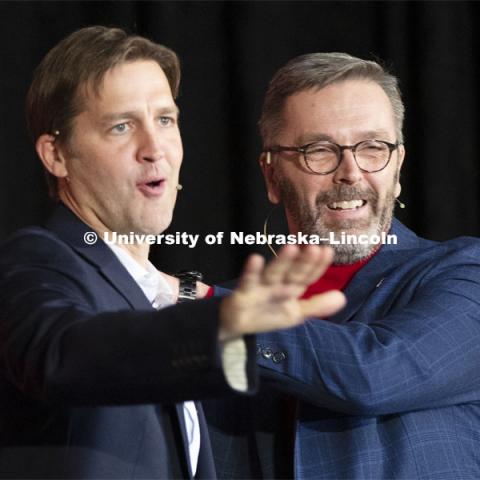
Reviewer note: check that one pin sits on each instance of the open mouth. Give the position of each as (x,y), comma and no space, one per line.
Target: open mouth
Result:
(154,187)
(154,183)
(347,205)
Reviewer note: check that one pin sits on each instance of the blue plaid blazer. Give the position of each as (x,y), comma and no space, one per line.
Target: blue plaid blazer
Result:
(387,388)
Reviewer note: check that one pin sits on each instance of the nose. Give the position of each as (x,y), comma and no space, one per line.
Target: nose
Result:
(150,146)
(348,171)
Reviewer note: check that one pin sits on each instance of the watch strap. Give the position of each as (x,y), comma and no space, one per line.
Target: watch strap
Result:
(188,285)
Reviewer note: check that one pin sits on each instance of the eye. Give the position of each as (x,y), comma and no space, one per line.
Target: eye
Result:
(120,128)
(320,149)
(166,121)
(372,146)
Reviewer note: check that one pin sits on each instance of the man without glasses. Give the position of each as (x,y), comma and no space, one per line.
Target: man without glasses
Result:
(389,386)
(95,383)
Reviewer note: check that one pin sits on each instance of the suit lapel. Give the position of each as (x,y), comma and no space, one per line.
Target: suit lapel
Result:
(72,231)
(183,434)
(369,278)
(206,465)
(372,275)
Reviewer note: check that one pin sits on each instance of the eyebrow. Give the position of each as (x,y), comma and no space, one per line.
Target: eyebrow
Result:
(323,137)
(132,114)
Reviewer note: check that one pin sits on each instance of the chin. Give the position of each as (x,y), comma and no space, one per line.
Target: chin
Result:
(159,228)
(153,228)
(348,254)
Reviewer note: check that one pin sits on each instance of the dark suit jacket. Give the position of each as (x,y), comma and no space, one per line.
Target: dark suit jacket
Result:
(388,388)
(90,373)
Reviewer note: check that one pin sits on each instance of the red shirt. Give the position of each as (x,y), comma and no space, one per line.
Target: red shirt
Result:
(337,277)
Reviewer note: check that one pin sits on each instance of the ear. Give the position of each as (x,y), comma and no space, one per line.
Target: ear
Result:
(267,166)
(51,156)
(401,157)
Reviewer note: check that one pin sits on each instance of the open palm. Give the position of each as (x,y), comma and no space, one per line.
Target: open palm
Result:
(268,296)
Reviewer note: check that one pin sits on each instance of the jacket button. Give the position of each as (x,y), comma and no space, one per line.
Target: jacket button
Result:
(278,357)
(267,353)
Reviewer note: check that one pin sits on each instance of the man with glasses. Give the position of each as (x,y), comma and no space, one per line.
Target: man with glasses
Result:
(389,386)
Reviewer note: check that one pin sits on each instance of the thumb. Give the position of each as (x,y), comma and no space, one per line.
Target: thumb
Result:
(323,305)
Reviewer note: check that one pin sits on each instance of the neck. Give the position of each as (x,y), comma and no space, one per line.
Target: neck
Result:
(139,252)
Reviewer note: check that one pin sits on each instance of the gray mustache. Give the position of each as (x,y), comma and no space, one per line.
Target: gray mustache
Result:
(346,193)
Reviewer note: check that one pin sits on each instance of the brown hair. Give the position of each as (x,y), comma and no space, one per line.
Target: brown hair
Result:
(83,58)
(315,71)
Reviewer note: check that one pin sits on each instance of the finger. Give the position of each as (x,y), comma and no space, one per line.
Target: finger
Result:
(323,305)
(301,269)
(251,273)
(276,270)
(310,266)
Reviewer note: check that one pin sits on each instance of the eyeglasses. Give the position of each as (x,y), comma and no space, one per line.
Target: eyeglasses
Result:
(324,157)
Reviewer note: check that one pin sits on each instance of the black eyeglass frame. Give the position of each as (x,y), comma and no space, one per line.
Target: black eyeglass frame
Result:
(303,150)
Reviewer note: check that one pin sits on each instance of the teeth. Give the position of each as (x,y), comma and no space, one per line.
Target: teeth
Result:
(346,205)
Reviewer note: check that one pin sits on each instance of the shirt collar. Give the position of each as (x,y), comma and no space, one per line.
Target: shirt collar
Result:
(148,278)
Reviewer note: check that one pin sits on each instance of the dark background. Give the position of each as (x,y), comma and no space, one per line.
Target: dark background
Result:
(229,51)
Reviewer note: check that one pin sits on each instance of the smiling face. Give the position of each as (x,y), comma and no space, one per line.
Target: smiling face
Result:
(122,162)
(347,200)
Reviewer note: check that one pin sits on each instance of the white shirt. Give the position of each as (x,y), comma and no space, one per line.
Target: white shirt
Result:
(234,357)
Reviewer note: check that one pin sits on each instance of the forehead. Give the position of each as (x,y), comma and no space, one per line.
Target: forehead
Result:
(128,82)
(343,111)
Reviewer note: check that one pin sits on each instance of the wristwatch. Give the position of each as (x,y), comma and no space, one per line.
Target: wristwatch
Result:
(188,285)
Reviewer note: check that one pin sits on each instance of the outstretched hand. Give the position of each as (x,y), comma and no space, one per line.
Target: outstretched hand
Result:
(268,296)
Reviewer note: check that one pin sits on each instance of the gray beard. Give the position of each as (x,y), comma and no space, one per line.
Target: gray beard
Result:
(309,221)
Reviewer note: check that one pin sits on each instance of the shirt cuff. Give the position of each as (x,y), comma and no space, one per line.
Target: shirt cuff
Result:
(234,363)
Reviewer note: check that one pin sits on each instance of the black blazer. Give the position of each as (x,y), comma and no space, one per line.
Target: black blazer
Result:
(90,373)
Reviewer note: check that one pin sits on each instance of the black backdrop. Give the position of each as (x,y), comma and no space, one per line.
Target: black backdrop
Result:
(229,51)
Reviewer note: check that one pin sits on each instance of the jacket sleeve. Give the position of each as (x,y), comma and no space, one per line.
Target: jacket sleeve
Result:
(57,347)
(418,349)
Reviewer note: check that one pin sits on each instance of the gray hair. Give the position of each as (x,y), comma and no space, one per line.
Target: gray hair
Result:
(315,71)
